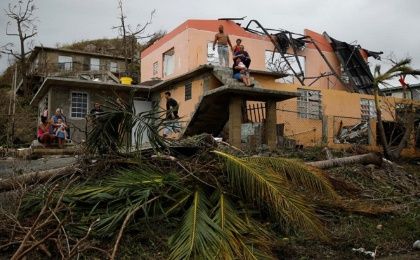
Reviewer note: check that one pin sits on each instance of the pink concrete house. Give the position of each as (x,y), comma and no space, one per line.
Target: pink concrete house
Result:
(189,45)
(330,96)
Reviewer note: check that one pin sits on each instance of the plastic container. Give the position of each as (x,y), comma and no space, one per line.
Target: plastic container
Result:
(126,80)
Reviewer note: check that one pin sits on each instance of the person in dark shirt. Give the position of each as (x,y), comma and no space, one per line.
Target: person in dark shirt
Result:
(96,110)
(171,115)
(244,55)
(171,107)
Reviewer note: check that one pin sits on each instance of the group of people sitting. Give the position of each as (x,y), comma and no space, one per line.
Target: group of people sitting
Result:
(241,58)
(53,130)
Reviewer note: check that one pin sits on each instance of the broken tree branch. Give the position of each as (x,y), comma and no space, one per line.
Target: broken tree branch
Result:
(363,159)
(34,177)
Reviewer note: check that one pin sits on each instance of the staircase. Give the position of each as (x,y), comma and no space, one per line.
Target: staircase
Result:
(224,75)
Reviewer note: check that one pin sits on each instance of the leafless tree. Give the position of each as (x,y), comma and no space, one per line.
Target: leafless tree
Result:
(130,36)
(21,14)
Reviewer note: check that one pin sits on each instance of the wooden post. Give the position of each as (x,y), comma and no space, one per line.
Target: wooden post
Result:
(270,125)
(235,121)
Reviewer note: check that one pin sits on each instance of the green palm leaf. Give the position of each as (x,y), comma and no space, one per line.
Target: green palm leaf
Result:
(243,241)
(198,237)
(262,185)
(298,174)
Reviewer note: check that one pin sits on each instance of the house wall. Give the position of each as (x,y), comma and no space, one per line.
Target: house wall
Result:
(190,45)
(46,63)
(60,97)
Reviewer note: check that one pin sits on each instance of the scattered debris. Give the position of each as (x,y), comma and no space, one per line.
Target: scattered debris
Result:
(364,251)
(416,245)
(354,134)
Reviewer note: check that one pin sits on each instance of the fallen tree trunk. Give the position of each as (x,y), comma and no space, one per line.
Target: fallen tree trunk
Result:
(370,158)
(34,177)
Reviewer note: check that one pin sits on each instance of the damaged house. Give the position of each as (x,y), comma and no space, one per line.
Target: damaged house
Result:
(309,89)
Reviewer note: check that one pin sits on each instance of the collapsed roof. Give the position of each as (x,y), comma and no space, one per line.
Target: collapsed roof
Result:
(353,64)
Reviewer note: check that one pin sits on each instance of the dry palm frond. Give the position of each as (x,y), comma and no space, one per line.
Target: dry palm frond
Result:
(198,237)
(298,174)
(262,185)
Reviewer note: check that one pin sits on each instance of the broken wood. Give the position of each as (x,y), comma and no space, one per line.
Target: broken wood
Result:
(34,177)
(370,158)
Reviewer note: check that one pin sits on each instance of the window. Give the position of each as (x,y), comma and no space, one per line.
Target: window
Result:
(155,68)
(367,109)
(169,62)
(188,91)
(212,56)
(94,64)
(65,63)
(79,104)
(113,66)
(274,62)
(309,104)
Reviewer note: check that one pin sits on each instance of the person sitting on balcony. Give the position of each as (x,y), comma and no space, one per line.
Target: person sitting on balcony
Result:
(240,72)
(43,134)
(244,55)
(222,40)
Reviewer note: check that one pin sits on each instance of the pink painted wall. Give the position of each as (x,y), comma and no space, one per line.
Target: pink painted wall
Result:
(190,40)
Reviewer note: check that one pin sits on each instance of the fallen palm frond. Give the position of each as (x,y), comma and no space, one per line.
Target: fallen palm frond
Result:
(198,236)
(298,173)
(259,183)
(218,205)
(245,241)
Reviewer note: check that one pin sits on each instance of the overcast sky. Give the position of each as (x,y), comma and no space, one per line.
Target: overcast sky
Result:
(377,25)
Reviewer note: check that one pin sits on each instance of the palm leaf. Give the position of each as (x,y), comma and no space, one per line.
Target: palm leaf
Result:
(113,129)
(298,174)
(257,183)
(198,237)
(242,242)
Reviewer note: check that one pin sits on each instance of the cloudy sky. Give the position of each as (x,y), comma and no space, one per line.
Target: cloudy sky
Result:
(390,26)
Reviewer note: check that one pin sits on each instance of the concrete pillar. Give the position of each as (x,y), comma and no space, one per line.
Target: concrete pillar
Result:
(235,121)
(270,125)
(372,131)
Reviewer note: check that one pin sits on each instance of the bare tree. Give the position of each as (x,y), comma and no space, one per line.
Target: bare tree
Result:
(130,37)
(405,113)
(22,15)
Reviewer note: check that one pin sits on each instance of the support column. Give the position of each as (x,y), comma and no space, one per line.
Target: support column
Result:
(235,121)
(270,124)
(325,130)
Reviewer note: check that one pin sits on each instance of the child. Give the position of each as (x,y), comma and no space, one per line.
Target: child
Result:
(60,132)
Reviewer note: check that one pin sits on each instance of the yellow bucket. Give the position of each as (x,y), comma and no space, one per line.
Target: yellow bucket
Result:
(126,80)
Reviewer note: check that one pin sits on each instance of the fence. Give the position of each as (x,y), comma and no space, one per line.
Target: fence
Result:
(293,128)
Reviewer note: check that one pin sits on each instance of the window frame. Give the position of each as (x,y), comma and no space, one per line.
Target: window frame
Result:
(164,73)
(371,109)
(65,68)
(90,64)
(304,102)
(113,67)
(188,91)
(71,104)
(155,68)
